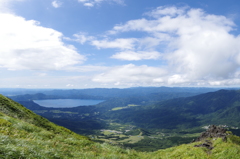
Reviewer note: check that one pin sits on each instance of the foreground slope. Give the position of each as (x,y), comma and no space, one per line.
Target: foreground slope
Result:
(24,134)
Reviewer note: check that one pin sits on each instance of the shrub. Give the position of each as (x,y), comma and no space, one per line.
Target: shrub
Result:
(4,122)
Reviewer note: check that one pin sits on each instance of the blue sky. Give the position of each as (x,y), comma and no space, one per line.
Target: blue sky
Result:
(119,43)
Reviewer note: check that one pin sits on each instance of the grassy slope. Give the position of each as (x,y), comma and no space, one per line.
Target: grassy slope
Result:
(24,134)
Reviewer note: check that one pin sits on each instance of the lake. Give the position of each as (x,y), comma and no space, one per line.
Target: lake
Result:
(66,103)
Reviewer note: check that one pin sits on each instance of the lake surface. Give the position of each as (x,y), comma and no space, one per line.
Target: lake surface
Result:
(66,103)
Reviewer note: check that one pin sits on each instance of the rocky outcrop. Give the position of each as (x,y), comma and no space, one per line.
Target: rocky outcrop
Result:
(207,144)
(212,132)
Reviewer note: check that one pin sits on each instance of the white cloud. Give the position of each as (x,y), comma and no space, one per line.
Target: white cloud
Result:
(196,46)
(166,11)
(176,23)
(177,79)
(5,5)
(88,4)
(41,74)
(69,85)
(82,37)
(27,45)
(150,43)
(88,68)
(91,3)
(56,4)
(119,2)
(135,56)
(117,43)
(130,74)
(191,47)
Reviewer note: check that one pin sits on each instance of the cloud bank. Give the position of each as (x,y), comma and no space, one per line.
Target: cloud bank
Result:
(168,46)
(196,48)
(130,75)
(27,45)
(136,56)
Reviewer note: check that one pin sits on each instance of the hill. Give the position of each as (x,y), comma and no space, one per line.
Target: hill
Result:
(24,134)
(221,108)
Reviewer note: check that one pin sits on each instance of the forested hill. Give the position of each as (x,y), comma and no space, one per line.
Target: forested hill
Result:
(24,134)
(221,107)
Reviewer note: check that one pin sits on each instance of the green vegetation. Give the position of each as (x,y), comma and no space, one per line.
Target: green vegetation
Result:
(129,105)
(219,108)
(165,121)
(24,134)
(221,150)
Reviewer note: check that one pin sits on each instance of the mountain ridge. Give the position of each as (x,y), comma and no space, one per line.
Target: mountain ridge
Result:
(204,109)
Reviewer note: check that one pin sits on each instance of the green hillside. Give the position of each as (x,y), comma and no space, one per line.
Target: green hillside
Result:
(24,134)
(219,108)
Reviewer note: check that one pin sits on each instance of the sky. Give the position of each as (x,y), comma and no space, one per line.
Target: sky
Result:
(71,44)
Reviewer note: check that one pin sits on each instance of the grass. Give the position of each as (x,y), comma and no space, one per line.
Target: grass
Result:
(23,140)
(25,135)
(117,108)
(20,139)
(128,106)
(107,132)
(133,139)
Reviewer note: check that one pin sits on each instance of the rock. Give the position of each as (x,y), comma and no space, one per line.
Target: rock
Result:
(213,132)
(206,144)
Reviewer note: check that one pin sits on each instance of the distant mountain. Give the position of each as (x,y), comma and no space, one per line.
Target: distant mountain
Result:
(41,96)
(127,92)
(143,93)
(221,107)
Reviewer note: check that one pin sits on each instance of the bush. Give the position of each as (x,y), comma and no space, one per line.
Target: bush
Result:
(4,122)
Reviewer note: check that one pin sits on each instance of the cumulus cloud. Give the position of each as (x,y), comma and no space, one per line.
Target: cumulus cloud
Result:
(27,45)
(194,45)
(130,74)
(91,3)
(166,11)
(117,43)
(136,56)
(81,37)
(56,4)
(5,5)
(88,68)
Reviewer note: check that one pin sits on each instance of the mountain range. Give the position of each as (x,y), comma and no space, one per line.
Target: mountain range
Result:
(221,107)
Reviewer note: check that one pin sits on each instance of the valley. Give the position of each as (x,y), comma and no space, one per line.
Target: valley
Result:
(162,118)
(123,127)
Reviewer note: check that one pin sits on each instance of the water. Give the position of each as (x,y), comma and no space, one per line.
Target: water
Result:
(66,103)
